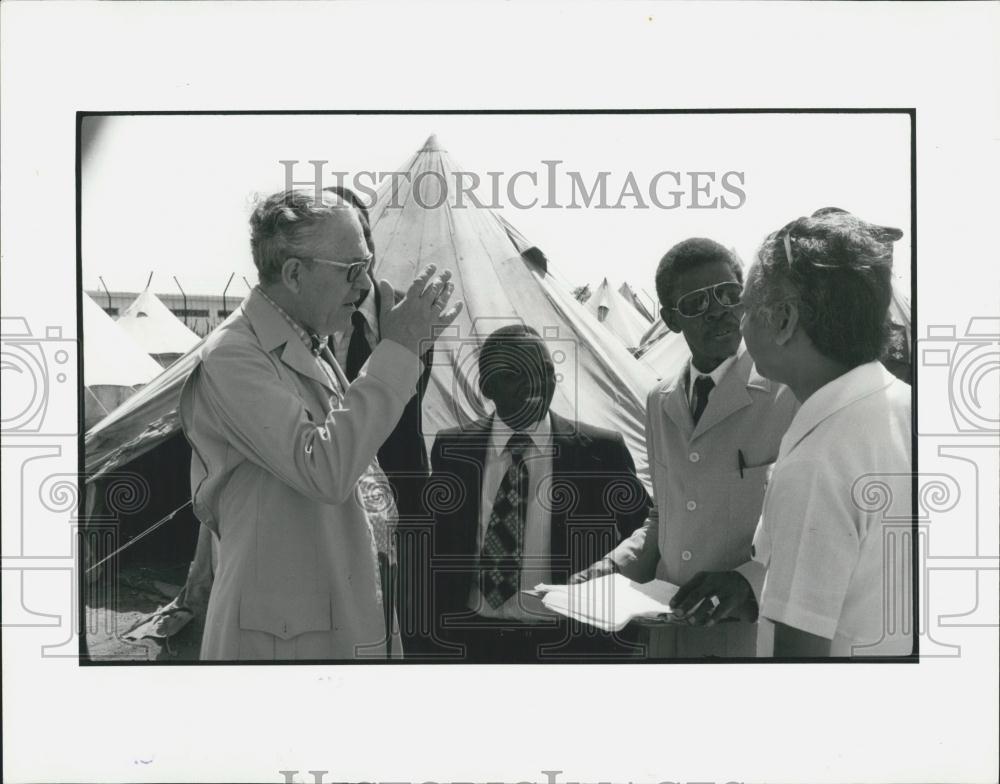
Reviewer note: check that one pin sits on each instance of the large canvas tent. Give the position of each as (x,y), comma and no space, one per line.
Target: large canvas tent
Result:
(160,333)
(113,364)
(502,279)
(617,315)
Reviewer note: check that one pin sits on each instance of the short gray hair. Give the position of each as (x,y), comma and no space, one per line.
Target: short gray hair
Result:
(279,222)
(839,271)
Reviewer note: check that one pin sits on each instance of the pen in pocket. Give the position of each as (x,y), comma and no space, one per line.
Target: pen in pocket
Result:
(743,462)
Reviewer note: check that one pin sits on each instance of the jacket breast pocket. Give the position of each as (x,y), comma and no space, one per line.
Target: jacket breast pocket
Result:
(285,616)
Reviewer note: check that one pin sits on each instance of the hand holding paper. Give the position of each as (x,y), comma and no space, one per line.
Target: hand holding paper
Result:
(610,602)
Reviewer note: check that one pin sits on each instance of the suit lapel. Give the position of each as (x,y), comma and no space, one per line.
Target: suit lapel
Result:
(301,360)
(337,370)
(273,331)
(675,404)
(467,459)
(567,444)
(731,395)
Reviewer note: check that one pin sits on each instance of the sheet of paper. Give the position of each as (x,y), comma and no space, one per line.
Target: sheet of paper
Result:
(609,602)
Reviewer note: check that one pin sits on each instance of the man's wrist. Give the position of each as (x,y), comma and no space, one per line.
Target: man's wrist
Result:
(748,611)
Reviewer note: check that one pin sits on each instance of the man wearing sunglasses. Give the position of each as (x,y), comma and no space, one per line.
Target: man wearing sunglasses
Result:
(711,435)
(283,465)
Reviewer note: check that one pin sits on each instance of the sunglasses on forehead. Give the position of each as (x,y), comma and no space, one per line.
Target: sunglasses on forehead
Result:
(697,302)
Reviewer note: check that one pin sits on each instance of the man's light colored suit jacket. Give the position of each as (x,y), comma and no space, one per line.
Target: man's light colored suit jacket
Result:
(277,454)
(705,511)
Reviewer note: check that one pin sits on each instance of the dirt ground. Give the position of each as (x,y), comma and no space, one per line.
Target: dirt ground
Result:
(114,606)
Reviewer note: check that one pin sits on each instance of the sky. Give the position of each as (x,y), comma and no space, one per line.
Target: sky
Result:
(170,195)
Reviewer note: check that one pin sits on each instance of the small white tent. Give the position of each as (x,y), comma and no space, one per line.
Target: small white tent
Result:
(637,302)
(160,333)
(114,365)
(617,315)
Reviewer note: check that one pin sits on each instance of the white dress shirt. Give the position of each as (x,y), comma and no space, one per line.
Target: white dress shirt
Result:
(536,556)
(342,339)
(716,376)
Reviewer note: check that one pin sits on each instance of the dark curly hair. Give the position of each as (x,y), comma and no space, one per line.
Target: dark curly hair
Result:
(838,268)
(686,255)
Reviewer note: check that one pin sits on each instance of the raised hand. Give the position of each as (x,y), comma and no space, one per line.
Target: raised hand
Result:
(422,313)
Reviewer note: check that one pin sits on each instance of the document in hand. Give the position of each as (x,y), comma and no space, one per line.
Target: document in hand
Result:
(609,602)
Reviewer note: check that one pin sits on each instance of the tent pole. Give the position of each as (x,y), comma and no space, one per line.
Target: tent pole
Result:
(224,308)
(108,293)
(149,279)
(185,300)
(249,287)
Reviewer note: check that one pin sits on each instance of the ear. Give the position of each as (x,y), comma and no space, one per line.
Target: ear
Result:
(669,316)
(788,323)
(291,274)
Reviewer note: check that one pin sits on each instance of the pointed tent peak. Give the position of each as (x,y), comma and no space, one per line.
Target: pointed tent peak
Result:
(617,314)
(601,298)
(111,356)
(155,328)
(432,144)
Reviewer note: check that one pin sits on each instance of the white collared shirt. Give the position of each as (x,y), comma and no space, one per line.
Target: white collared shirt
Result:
(536,556)
(342,339)
(716,375)
(835,530)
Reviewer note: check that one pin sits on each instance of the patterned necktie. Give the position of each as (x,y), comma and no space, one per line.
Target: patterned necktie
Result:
(703,385)
(500,561)
(358,349)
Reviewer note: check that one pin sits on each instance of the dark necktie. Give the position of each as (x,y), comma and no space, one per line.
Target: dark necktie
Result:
(358,349)
(500,562)
(703,385)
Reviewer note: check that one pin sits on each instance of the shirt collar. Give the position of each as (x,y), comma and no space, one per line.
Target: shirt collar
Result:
(368,312)
(540,434)
(716,375)
(367,309)
(306,337)
(855,384)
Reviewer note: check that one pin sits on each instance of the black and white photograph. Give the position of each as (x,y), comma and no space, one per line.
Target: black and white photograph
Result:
(494,392)
(625,409)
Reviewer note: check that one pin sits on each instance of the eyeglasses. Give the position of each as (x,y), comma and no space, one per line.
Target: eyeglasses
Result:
(697,302)
(354,268)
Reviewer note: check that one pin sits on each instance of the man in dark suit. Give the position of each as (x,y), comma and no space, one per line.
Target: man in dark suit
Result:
(403,455)
(530,498)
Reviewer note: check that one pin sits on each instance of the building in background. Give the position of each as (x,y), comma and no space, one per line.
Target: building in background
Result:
(201,313)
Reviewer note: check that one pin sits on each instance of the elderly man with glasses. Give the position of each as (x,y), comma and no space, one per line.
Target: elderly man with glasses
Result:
(284,467)
(837,581)
(711,435)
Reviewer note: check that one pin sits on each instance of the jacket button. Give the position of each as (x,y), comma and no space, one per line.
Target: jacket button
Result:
(691,505)
(694,457)
(686,555)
